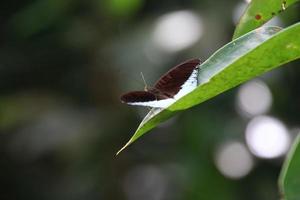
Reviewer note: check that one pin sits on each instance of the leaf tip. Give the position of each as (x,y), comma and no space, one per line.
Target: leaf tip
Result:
(124,147)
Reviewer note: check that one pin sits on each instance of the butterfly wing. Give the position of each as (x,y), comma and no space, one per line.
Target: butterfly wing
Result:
(144,98)
(171,86)
(181,77)
(137,96)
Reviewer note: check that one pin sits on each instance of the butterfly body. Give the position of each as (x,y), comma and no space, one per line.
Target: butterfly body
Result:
(173,85)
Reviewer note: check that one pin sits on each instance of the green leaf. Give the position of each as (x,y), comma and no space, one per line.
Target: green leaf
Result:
(123,7)
(240,60)
(289,181)
(259,12)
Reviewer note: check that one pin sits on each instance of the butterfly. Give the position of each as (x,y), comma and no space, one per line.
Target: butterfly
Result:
(173,85)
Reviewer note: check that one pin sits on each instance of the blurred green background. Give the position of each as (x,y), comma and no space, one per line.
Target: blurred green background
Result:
(63,66)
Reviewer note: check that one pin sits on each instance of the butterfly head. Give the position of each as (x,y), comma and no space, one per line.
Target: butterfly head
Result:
(146,88)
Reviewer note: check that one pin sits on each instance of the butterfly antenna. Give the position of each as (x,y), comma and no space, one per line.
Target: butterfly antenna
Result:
(146,86)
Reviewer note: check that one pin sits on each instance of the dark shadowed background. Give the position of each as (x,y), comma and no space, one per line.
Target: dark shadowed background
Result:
(63,66)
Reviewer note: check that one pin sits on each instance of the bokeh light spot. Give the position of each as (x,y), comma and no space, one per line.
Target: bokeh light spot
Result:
(177,31)
(267,137)
(254,98)
(233,160)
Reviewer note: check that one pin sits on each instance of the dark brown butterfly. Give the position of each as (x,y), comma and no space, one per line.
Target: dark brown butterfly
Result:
(173,85)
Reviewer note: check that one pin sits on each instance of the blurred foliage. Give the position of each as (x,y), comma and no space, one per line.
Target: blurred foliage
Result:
(123,8)
(40,15)
(260,12)
(63,65)
(289,178)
